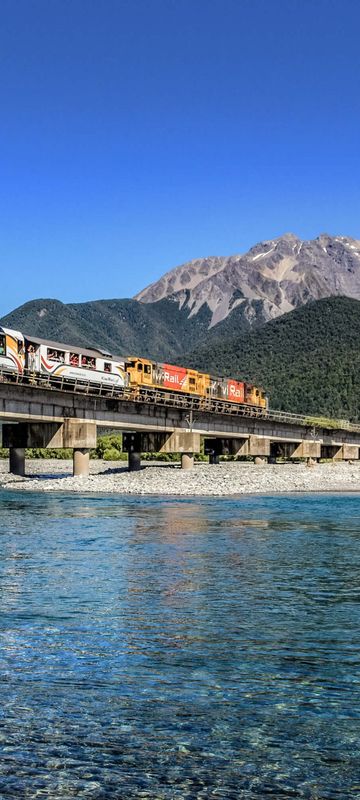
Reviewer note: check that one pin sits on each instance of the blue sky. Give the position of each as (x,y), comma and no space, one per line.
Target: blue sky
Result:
(138,134)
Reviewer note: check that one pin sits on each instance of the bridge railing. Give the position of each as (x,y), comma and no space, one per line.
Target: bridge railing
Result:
(167,398)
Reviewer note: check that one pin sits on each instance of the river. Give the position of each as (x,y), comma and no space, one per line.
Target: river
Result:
(171,648)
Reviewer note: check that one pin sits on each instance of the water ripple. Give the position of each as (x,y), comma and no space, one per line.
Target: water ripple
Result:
(178,648)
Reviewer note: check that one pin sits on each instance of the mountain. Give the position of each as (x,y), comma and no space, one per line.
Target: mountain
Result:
(272,278)
(157,330)
(308,361)
(204,301)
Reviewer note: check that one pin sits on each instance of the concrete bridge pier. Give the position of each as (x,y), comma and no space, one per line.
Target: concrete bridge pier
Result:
(81,437)
(214,448)
(134,462)
(307,449)
(350,452)
(256,446)
(14,437)
(260,461)
(17,460)
(81,461)
(259,448)
(187,460)
(133,446)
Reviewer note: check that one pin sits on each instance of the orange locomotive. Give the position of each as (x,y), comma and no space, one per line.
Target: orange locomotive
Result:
(144,373)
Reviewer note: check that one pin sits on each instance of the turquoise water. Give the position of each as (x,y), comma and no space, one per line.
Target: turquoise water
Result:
(179,648)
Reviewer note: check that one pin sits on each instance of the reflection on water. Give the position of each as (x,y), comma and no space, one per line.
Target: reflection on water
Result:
(179,648)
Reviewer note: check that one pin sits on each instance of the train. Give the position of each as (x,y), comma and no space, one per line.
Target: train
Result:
(33,357)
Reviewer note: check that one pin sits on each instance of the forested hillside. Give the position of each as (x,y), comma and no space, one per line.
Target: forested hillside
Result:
(307,360)
(125,327)
(159,330)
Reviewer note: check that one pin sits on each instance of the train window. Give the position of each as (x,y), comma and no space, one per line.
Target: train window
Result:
(88,361)
(55,355)
(20,347)
(74,359)
(192,381)
(257,392)
(139,366)
(2,345)
(107,366)
(147,369)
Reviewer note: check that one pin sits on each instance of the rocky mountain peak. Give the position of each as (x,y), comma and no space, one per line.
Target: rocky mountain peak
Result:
(273,277)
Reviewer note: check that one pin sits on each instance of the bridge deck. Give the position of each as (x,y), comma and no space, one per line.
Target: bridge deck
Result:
(55,400)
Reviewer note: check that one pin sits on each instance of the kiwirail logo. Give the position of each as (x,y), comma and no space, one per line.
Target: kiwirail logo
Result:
(170,376)
(228,388)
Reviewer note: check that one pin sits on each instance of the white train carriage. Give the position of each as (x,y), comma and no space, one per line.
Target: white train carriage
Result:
(12,351)
(57,360)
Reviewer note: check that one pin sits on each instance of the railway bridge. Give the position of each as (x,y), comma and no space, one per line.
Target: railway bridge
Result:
(52,413)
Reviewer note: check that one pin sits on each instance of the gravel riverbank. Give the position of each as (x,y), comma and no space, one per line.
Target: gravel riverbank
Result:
(231,478)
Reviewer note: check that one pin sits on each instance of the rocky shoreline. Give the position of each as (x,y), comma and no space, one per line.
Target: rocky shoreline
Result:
(227,478)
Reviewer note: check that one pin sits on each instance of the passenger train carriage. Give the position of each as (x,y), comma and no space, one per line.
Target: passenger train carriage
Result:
(12,351)
(42,357)
(38,357)
(77,363)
